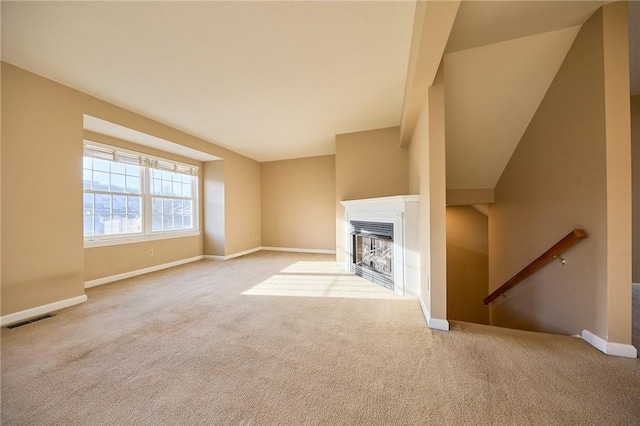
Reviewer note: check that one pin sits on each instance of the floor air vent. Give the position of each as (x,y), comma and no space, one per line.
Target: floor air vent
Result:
(29,321)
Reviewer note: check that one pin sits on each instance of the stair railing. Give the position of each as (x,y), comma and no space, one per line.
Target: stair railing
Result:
(553,253)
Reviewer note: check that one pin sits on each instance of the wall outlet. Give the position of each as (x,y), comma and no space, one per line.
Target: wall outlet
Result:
(150,252)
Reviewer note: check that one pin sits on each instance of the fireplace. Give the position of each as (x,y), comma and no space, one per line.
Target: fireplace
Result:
(381,241)
(372,251)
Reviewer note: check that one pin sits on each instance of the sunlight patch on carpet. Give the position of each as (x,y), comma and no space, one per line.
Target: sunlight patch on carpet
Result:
(320,279)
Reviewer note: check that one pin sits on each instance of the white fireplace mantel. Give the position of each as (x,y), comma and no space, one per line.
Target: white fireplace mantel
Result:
(402,211)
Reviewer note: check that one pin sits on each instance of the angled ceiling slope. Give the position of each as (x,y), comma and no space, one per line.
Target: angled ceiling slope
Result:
(500,60)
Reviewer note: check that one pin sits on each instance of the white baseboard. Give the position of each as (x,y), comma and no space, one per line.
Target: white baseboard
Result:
(609,348)
(118,277)
(434,323)
(234,255)
(299,250)
(41,310)
(256,249)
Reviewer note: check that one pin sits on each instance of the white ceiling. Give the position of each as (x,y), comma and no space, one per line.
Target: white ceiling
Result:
(270,80)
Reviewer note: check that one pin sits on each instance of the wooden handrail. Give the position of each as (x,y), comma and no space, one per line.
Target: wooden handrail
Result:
(572,238)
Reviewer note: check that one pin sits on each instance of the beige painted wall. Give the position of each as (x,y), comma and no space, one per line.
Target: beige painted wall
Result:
(437,272)
(467,264)
(242,205)
(213,205)
(419,184)
(42,256)
(43,259)
(618,168)
(555,181)
(298,203)
(368,164)
(635,156)
(427,177)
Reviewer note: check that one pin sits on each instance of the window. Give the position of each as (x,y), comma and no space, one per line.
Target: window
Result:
(129,196)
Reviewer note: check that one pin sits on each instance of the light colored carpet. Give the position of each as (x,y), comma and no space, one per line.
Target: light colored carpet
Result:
(211,343)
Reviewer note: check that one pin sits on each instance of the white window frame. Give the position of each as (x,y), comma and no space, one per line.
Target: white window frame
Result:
(146,163)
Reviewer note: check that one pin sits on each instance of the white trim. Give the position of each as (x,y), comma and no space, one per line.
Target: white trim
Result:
(138,239)
(234,255)
(299,250)
(433,323)
(609,348)
(124,275)
(41,310)
(635,284)
(438,324)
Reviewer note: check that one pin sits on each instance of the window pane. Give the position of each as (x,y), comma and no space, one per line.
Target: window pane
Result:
(186,189)
(102,165)
(133,205)
(86,179)
(187,222)
(133,170)
(88,224)
(156,222)
(87,163)
(117,183)
(135,224)
(177,189)
(119,205)
(177,221)
(118,168)
(156,187)
(156,206)
(87,203)
(133,184)
(167,206)
(100,181)
(167,221)
(103,204)
(166,175)
(166,187)
(98,224)
(186,207)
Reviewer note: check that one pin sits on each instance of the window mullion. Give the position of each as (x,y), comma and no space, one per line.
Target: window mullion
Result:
(146,195)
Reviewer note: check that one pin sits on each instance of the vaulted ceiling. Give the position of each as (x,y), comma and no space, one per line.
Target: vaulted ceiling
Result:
(499,62)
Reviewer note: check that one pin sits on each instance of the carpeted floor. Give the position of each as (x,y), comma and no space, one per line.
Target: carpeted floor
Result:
(289,339)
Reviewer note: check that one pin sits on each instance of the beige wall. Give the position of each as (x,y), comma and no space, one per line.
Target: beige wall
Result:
(242,205)
(298,203)
(42,256)
(555,181)
(368,164)
(635,156)
(467,264)
(43,259)
(427,177)
(213,205)
(419,184)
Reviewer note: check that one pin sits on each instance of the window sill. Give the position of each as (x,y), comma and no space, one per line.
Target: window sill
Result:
(102,242)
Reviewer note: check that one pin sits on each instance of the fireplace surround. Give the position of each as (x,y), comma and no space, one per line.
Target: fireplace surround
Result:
(381,241)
